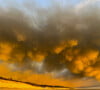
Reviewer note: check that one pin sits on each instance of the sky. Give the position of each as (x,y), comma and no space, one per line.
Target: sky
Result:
(39,39)
(42,3)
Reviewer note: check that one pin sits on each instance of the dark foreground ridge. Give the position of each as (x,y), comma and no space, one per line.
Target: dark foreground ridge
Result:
(33,84)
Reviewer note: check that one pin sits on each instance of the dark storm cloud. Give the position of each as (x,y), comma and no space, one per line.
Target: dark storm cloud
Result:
(60,38)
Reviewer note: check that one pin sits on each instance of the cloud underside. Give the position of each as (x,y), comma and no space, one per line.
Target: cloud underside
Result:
(62,42)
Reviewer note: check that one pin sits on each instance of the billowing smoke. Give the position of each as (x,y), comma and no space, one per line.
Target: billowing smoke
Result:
(60,38)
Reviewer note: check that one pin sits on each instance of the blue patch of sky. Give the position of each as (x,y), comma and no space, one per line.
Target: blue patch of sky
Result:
(40,3)
(74,2)
(46,3)
(43,3)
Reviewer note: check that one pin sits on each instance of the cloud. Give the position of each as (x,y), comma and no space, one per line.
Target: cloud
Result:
(85,3)
(50,41)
